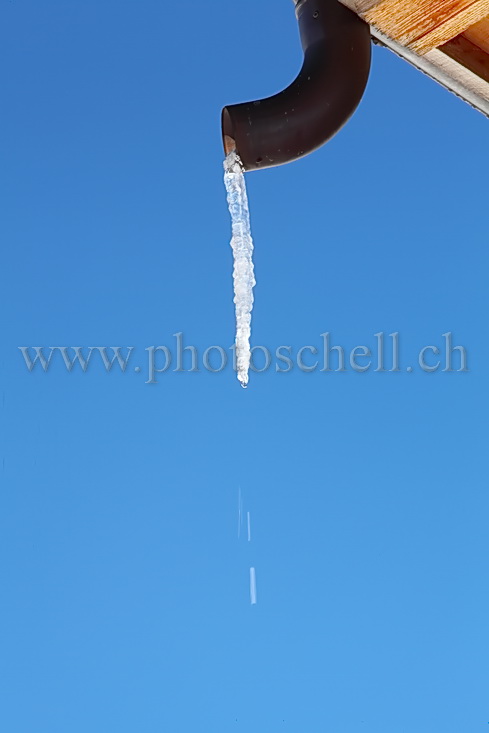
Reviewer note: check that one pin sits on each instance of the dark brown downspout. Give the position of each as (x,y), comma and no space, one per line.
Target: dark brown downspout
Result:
(317,104)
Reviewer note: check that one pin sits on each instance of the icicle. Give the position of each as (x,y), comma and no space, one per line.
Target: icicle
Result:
(242,245)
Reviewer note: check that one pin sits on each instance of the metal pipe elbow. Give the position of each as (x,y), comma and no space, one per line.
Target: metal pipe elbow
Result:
(330,85)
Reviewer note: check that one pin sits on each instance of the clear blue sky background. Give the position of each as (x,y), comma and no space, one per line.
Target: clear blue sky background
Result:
(124,589)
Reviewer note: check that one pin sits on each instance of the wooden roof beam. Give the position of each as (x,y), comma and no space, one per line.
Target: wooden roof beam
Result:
(468,54)
(421,25)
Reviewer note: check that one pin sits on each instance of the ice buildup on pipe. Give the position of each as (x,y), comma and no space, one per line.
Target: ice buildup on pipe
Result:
(242,246)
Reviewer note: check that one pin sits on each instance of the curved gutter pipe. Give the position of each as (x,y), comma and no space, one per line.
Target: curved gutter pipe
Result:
(317,104)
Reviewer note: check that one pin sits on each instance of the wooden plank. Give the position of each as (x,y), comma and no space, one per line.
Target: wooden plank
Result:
(470,84)
(461,62)
(469,55)
(420,24)
(451,28)
(443,69)
(478,34)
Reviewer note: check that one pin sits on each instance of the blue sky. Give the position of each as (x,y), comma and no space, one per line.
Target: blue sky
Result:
(125,596)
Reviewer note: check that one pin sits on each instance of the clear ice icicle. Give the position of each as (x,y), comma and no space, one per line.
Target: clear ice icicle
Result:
(242,245)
